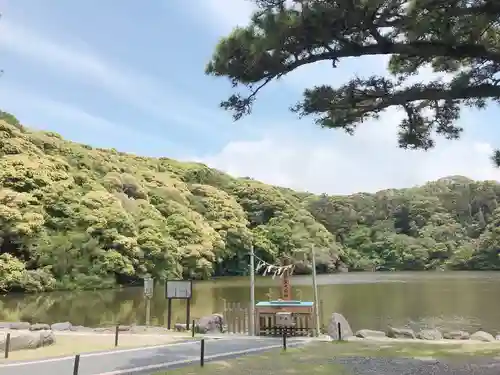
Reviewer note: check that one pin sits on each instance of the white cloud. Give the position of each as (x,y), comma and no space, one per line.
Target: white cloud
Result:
(343,164)
(133,87)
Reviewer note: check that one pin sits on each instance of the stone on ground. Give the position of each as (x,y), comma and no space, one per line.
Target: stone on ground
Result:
(400,333)
(456,335)
(345,328)
(211,324)
(63,326)
(21,340)
(367,333)
(429,334)
(482,336)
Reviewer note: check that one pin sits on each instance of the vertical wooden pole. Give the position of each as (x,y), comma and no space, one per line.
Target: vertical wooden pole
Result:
(117,328)
(7,345)
(169,313)
(315,290)
(251,330)
(188,312)
(202,353)
(76,365)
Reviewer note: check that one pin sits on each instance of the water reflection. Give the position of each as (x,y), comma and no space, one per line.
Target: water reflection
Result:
(460,300)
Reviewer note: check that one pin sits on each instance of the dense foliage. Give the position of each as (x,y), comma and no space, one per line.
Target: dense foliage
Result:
(458,39)
(73,216)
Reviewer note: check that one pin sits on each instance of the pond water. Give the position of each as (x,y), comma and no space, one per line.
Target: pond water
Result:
(454,300)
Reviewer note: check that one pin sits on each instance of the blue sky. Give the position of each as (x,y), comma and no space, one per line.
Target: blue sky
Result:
(131,76)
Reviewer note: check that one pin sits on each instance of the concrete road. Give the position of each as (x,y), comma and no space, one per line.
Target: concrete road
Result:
(146,360)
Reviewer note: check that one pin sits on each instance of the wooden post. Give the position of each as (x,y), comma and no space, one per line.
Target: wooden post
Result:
(7,345)
(76,365)
(117,328)
(192,329)
(202,353)
(251,328)
(188,312)
(169,313)
(315,290)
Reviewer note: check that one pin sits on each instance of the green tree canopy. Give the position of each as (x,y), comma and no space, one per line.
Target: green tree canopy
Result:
(458,38)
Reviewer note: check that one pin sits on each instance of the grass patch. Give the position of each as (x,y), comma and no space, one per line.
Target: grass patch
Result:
(390,349)
(76,344)
(317,358)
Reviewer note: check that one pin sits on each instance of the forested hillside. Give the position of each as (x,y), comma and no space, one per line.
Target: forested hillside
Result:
(74,216)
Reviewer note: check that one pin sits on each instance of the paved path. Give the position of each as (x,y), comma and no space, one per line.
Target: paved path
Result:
(145,360)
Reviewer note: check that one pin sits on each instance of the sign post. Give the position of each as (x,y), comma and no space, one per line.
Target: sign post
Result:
(148,294)
(178,289)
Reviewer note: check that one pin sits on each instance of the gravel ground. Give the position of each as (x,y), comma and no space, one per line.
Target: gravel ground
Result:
(399,366)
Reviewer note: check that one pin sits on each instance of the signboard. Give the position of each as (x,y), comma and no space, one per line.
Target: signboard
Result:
(148,287)
(284,319)
(179,289)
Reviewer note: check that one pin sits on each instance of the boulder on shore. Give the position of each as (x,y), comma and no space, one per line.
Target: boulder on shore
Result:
(367,333)
(211,324)
(15,325)
(482,336)
(429,334)
(333,327)
(22,340)
(180,327)
(456,335)
(39,327)
(63,326)
(400,333)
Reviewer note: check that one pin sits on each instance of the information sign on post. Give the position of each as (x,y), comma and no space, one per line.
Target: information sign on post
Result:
(148,287)
(178,289)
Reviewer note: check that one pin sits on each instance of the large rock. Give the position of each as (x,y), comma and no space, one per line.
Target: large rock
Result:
(400,333)
(14,325)
(22,340)
(20,325)
(63,326)
(368,333)
(429,334)
(333,327)
(47,338)
(211,324)
(180,327)
(81,329)
(39,327)
(482,336)
(456,335)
